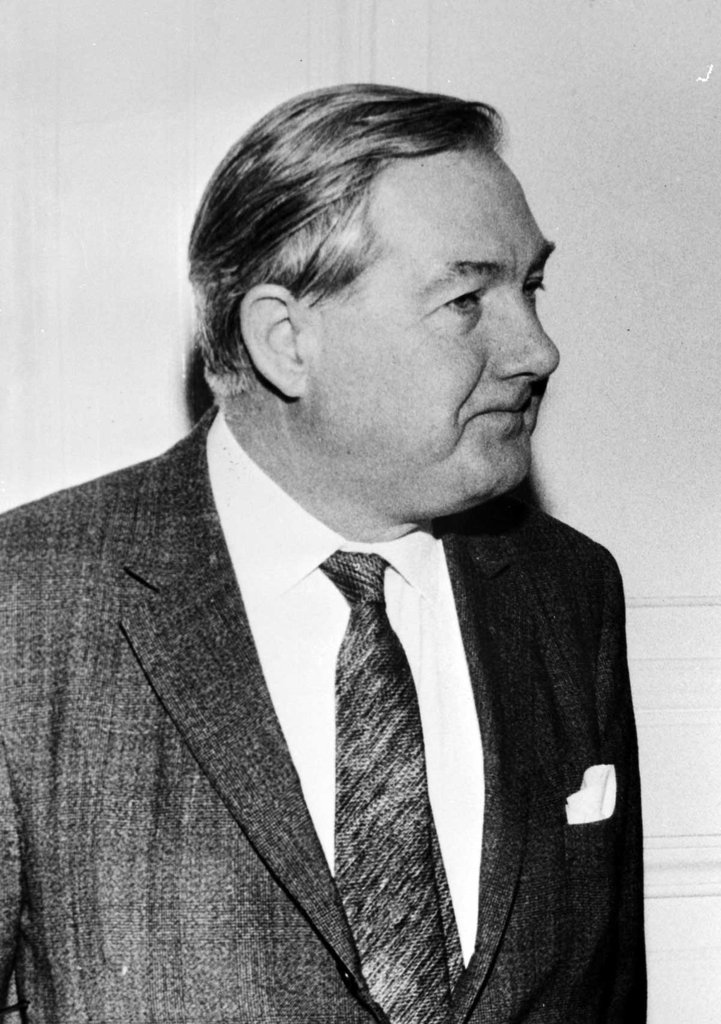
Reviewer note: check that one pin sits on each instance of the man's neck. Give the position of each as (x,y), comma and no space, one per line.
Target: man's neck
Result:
(271,443)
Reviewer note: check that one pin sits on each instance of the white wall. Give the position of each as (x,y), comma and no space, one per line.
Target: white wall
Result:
(115,114)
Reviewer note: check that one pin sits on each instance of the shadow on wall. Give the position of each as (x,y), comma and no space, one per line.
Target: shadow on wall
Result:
(199,398)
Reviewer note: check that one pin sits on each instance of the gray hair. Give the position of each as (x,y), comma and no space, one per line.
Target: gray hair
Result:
(288,203)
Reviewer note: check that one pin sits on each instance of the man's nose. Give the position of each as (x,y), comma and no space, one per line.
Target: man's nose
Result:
(545,355)
(528,350)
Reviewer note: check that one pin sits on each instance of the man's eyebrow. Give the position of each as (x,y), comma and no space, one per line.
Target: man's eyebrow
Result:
(459,269)
(543,253)
(455,271)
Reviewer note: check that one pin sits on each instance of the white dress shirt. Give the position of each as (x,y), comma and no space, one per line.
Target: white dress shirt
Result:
(298,619)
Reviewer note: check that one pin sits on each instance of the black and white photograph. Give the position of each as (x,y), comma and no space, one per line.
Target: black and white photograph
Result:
(360,473)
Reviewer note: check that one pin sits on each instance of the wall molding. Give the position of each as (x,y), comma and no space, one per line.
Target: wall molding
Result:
(681,627)
(671,685)
(682,866)
(675,601)
(668,718)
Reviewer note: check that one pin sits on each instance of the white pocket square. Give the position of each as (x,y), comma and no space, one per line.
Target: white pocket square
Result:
(596,799)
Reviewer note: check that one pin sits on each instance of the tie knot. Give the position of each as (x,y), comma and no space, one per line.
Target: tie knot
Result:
(358,576)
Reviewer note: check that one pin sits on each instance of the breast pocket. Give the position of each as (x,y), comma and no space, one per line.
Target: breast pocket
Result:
(593,860)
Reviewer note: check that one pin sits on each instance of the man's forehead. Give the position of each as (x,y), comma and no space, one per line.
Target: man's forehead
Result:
(454,215)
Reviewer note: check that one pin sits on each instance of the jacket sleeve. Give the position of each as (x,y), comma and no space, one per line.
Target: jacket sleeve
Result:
(627,994)
(10,880)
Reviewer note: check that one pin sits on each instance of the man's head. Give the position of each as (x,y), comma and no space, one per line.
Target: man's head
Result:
(389,317)
(288,204)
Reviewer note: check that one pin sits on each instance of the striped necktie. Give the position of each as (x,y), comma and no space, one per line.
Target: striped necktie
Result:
(387,862)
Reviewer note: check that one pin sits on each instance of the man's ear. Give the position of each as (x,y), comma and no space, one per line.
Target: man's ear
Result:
(274,327)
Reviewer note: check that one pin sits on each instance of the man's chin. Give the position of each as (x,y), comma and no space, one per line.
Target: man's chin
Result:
(489,486)
(504,476)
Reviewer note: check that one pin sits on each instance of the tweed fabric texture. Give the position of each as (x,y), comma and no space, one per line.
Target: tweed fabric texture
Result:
(384,827)
(158,864)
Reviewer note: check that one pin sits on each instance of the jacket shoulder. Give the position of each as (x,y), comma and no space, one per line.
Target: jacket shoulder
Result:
(87,520)
(576,578)
(514,528)
(71,519)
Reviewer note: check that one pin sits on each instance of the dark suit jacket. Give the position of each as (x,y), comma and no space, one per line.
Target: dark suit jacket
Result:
(157,860)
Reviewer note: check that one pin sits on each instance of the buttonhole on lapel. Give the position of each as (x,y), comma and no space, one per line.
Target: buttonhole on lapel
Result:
(347,978)
(139,579)
(15,1008)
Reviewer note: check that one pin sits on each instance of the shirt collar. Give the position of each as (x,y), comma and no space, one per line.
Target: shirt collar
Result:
(274,543)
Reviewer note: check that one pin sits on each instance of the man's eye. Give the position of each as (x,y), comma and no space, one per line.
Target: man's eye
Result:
(531,289)
(467,303)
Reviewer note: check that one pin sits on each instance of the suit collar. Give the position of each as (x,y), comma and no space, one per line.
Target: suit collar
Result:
(275,543)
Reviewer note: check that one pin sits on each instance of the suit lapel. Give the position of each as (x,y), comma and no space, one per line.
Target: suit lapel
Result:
(184,618)
(496,624)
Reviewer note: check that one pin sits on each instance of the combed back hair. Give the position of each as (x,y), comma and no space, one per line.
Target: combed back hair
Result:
(288,204)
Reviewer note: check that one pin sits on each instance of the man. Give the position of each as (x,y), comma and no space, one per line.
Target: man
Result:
(305,721)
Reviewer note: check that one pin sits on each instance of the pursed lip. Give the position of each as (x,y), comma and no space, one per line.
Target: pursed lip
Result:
(522,404)
(519,405)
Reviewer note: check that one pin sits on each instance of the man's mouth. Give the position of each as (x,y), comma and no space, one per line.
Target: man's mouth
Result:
(518,405)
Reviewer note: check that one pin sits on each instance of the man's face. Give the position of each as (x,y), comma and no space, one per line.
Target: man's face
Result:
(425,387)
